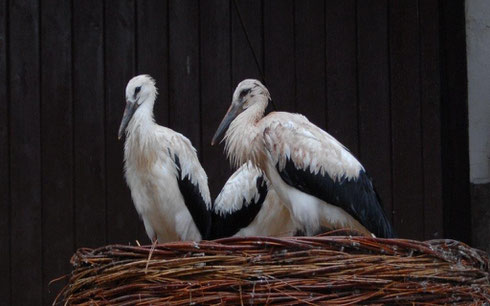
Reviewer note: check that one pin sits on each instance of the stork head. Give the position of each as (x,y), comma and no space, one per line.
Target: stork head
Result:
(247,93)
(140,90)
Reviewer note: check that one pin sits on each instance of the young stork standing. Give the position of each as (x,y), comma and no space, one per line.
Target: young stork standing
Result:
(168,185)
(246,206)
(317,178)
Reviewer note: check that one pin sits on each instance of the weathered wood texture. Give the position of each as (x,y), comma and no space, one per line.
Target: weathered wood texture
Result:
(454,122)
(26,210)
(56,143)
(384,77)
(4,159)
(89,123)
(405,118)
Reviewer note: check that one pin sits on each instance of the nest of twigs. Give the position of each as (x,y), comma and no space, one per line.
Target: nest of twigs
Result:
(292,270)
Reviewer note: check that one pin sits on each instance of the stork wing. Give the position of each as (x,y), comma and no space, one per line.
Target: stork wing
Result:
(239,201)
(192,181)
(314,162)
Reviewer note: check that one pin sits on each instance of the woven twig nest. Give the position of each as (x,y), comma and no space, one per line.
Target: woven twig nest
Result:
(292,270)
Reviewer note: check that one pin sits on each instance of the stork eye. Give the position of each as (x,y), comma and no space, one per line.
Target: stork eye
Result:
(137,90)
(244,92)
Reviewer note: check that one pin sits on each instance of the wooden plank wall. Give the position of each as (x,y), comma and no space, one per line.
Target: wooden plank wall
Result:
(26,211)
(454,114)
(56,140)
(5,227)
(381,76)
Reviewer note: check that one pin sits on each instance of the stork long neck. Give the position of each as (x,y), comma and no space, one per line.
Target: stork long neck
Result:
(141,134)
(142,121)
(241,141)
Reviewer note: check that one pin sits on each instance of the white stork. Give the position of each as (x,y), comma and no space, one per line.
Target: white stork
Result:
(246,206)
(168,186)
(319,180)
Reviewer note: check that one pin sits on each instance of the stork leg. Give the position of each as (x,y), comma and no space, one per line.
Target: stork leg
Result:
(153,245)
(149,230)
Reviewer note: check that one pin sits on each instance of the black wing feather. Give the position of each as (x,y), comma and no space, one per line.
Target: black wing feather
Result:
(194,201)
(355,196)
(229,224)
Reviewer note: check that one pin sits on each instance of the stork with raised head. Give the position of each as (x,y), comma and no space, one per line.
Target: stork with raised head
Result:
(247,206)
(168,186)
(317,178)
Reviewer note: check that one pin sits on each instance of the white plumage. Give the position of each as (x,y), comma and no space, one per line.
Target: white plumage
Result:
(158,163)
(245,188)
(316,177)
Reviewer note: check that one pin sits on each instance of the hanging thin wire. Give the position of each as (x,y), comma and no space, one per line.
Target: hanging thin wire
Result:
(244,28)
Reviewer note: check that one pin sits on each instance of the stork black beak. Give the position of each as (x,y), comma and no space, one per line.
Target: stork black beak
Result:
(231,114)
(128,114)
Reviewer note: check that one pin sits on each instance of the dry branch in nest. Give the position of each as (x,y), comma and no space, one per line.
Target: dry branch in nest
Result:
(293,270)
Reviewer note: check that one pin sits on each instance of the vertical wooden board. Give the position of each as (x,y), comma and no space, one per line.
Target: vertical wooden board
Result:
(279,53)
(184,87)
(215,85)
(119,49)
(88,108)
(310,60)
(454,117)
(431,118)
(57,144)
(243,64)
(4,161)
(25,154)
(152,59)
(374,96)
(152,50)
(406,124)
(342,107)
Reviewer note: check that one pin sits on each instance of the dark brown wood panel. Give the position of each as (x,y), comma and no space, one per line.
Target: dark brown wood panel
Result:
(184,86)
(4,160)
(279,53)
(243,64)
(454,116)
(57,144)
(88,122)
(310,60)
(119,30)
(25,153)
(374,96)
(387,78)
(152,58)
(431,118)
(406,127)
(215,86)
(152,50)
(342,112)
